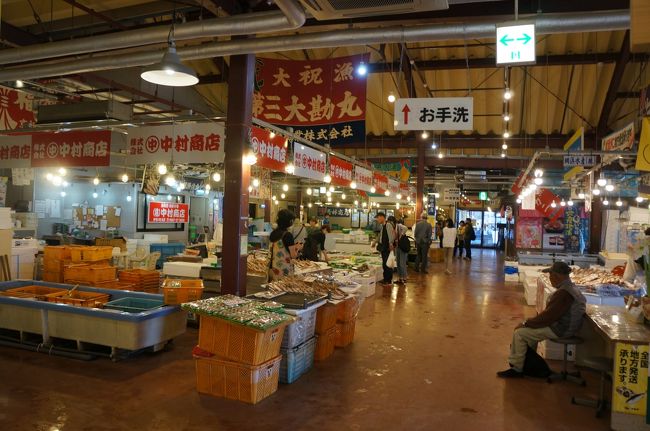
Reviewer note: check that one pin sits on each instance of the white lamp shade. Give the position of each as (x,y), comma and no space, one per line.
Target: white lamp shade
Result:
(170,71)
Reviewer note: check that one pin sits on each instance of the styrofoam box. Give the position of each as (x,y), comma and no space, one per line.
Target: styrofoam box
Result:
(368,285)
(156,238)
(512,277)
(605,300)
(554,351)
(530,292)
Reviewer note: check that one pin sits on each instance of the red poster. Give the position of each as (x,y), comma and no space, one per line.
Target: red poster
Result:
(393,186)
(271,152)
(543,200)
(323,100)
(341,171)
(78,148)
(381,182)
(15,109)
(168,212)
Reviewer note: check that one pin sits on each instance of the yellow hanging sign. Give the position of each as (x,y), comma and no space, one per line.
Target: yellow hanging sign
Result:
(630,379)
(643,156)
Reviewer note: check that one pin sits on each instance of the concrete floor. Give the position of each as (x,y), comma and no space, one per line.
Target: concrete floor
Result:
(424,358)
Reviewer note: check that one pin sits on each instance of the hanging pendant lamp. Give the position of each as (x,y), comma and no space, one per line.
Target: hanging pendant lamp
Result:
(170,71)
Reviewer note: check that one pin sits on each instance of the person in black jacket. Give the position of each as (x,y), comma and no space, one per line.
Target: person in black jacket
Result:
(469,236)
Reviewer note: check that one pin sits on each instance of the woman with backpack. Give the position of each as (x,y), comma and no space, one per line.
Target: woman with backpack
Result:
(402,248)
(283,247)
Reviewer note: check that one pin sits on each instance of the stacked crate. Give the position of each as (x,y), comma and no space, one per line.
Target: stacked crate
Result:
(346,319)
(298,345)
(326,331)
(245,365)
(54,260)
(141,280)
(89,266)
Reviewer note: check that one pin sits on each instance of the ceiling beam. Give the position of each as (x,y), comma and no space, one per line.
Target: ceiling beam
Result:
(15,36)
(90,11)
(614,84)
(628,94)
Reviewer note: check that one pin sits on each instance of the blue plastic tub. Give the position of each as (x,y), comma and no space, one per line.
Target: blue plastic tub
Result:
(166,250)
(297,361)
(134,305)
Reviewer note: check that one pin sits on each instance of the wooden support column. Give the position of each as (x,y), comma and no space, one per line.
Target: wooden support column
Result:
(596,226)
(299,207)
(419,204)
(267,210)
(237,174)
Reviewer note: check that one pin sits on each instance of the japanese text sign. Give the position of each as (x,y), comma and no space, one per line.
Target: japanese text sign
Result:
(620,140)
(309,163)
(516,44)
(335,211)
(271,152)
(630,380)
(380,181)
(435,113)
(393,186)
(323,100)
(341,171)
(363,178)
(579,160)
(16,109)
(168,212)
(451,194)
(77,148)
(187,143)
(15,151)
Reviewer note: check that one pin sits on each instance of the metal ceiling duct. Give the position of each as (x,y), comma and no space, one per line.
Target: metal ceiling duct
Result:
(545,24)
(291,17)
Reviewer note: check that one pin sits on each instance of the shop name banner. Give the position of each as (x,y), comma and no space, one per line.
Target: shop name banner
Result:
(15,151)
(341,171)
(363,178)
(381,182)
(187,143)
(309,163)
(271,152)
(77,148)
(168,212)
(434,113)
(630,379)
(620,140)
(324,101)
(335,211)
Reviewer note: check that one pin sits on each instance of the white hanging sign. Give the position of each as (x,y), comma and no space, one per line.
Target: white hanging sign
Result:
(434,113)
(309,163)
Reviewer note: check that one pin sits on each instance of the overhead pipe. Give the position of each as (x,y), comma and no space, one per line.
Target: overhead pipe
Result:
(544,24)
(290,17)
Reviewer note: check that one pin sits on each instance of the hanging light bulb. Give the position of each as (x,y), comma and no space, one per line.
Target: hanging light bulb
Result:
(271,134)
(329,199)
(125,178)
(570,203)
(602,181)
(408,199)
(49,176)
(170,71)
(538,181)
(364,204)
(619,202)
(387,193)
(343,196)
(506,134)
(128,198)
(609,187)
(338,204)
(356,203)
(424,134)
(207,188)
(504,146)
(290,168)
(581,195)
(216,177)
(434,145)
(362,69)
(532,187)
(518,200)
(169,197)
(639,199)
(170,180)
(373,189)
(397,205)
(285,187)
(596,191)
(391,98)
(282,196)
(309,205)
(250,189)
(538,173)
(162,169)
(332,188)
(62,172)
(353,185)
(507,95)
(441,155)
(95,194)
(181,186)
(399,196)
(250,159)
(605,202)
(395,123)
(503,154)
(553,204)
(328,194)
(309,192)
(327,179)
(562,203)
(95,181)
(256,182)
(506,117)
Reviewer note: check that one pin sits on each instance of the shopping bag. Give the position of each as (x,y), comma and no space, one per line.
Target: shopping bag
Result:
(391,262)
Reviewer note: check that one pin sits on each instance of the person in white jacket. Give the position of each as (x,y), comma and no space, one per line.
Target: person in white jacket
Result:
(448,242)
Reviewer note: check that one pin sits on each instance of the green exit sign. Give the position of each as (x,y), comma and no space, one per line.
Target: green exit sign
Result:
(482,196)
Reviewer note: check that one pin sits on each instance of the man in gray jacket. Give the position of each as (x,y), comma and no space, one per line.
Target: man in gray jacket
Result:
(422,232)
(561,318)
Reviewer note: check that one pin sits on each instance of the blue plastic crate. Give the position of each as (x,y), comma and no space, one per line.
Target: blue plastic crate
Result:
(297,361)
(166,250)
(134,305)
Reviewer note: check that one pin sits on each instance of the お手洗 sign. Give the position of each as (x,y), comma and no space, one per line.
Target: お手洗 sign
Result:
(168,212)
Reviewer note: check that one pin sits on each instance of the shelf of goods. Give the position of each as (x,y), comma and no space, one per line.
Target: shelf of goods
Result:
(547,258)
(51,311)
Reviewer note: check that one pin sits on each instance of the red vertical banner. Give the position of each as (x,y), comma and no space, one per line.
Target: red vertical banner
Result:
(15,109)
(324,101)
(77,148)
(341,171)
(381,182)
(270,149)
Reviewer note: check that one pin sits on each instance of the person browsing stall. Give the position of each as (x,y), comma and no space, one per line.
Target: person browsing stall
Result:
(283,247)
(562,318)
(314,246)
(385,245)
(422,232)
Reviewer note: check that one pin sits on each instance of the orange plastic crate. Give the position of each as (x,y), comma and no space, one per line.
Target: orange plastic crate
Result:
(239,343)
(79,298)
(114,284)
(236,381)
(90,254)
(344,333)
(56,252)
(347,309)
(325,344)
(89,273)
(37,292)
(325,318)
(189,290)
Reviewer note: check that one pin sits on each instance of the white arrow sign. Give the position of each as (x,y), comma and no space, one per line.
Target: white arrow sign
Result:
(434,113)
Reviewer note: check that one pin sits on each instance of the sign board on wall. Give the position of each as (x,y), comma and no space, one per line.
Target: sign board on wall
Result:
(434,113)
(15,151)
(451,195)
(309,163)
(363,178)
(620,140)
(168,212)
(76,148)
(516,44)
(187,143)
(380,181)
(269,149)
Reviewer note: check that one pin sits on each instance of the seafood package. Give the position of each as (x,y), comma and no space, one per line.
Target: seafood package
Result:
(255,314)
(311,286)
(257,263)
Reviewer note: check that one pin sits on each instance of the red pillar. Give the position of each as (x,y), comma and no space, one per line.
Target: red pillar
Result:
(237,174)
(419,204)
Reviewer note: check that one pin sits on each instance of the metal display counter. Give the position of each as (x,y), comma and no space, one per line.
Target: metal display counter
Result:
(547,258)
(118,330)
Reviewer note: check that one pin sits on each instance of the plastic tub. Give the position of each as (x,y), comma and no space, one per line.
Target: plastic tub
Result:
(297,361)
(134,305)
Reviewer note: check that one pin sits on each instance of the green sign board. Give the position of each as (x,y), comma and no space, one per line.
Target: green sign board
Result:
(482,196)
